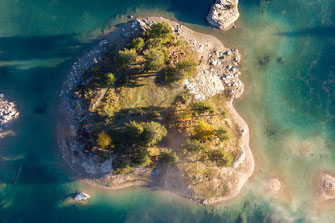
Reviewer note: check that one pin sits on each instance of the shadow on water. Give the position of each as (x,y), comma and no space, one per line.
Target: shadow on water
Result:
(40,47)
(326,31)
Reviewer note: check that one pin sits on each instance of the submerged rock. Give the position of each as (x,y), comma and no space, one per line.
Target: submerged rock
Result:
(274,184)
(223,14)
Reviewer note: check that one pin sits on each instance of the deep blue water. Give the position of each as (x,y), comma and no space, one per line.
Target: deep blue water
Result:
(289,106)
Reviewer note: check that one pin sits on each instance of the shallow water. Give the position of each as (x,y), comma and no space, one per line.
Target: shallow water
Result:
(289,107)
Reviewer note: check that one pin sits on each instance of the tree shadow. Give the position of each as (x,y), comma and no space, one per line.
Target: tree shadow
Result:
(325,31)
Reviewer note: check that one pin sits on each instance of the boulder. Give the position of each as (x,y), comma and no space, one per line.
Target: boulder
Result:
(81,196)
(223,14)
(326,187)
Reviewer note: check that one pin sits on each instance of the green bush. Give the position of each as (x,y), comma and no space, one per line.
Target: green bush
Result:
(125,58)
(137,43)
(140,157)
(169,157)
(154,59)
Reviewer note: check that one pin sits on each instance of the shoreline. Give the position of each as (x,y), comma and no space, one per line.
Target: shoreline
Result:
(67,119)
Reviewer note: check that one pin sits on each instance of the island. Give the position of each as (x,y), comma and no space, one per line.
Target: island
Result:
(152,104)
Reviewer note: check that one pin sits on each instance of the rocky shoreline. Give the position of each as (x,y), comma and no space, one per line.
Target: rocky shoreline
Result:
(218,74)
(8,112)
(223,14)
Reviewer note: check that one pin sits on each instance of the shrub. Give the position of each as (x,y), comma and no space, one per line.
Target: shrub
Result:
(104,141)
(169,157)
(201,107)
(222,134)
(137,43)
(154,59)
(203,131)
(125,58)
(194,146)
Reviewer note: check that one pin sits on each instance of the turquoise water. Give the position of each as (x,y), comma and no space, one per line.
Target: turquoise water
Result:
(289,106)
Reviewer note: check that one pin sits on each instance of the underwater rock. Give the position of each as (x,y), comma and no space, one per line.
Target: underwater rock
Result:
(274,184)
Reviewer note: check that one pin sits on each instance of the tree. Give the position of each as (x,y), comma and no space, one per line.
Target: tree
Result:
(201,107)
(222,134)
(104,141)
(203,131)
(153,133)
(194,146)
(186,66)
(169,157)
(160,30)
(141,157)
(134,130)
(108,80)
(154,59)
(126,58)
(221,158)
(137,43)
(145,133)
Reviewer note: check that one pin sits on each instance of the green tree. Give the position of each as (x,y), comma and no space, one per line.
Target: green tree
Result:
(186,66)
(194,146)
(169,157)
(221,158)
(134,130)
(201,107)
(154,59)
(153,133)
(137,43)
(141,157)
(203,131)
(104,140)
(160,30)
(108,80)
(125,58)
(222,134)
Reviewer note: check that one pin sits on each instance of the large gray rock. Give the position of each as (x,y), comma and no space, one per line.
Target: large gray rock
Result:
(81,196)
(223,14)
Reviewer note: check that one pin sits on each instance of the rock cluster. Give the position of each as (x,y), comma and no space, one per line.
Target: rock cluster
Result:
(7,112)
(223,14)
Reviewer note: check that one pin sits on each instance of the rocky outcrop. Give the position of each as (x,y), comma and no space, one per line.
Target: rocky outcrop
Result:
(223,14)
(7,112)
(326,187)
